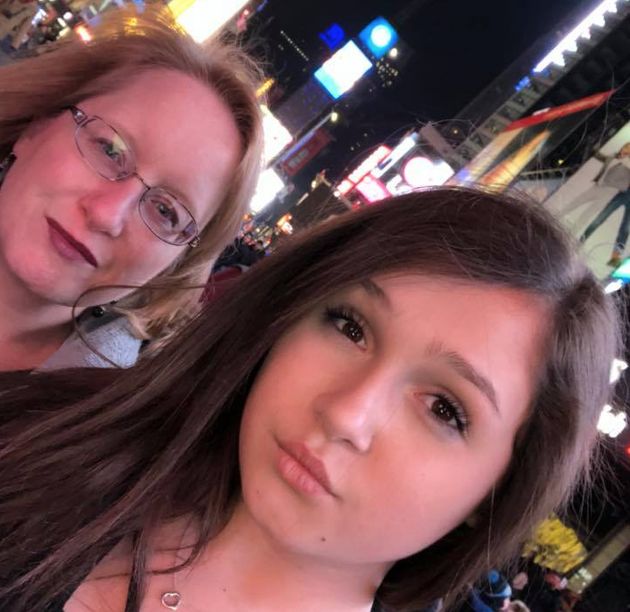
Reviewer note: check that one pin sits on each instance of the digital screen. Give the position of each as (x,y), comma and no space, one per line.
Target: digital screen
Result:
(379,37)
(623,271)
(333,36)
(338,74)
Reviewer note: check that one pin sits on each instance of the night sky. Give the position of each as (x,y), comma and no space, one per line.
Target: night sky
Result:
(460,45)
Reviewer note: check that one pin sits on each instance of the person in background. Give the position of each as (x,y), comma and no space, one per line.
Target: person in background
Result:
(113,187)
(371,415)
(611,189)
(491,595)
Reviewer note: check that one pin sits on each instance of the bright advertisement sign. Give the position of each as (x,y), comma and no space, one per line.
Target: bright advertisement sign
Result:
(504,158)
(372,189)
(420,171)
(364,168)
(269,186)
(202,18)
(583,30)
(379,37)
(338,74)
(276,135)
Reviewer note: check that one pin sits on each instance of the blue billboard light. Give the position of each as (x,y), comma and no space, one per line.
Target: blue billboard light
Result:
(338,74)
(623,271)
(333,36)
(379,37)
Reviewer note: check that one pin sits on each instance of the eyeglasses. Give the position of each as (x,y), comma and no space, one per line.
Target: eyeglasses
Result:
(107,153)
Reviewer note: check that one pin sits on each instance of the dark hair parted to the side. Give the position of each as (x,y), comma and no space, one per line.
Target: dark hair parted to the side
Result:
(88,458)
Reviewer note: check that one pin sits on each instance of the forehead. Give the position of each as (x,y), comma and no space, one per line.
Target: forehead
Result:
(182,132)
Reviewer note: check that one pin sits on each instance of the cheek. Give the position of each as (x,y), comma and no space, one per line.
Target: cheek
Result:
(142,256)
(430,490)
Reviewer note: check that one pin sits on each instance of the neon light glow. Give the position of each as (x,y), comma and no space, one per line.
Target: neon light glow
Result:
(378,37)
(269,186)
(276,136)
(582,30)
(420,171)
(611,422)
(623,271)
(372,189)
(368,164)
(204,17)
(616,369)
(398,152)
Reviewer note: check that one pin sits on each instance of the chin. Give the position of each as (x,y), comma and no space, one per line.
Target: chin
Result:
(49,285)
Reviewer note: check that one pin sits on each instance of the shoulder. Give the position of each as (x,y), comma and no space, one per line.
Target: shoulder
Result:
(101,340)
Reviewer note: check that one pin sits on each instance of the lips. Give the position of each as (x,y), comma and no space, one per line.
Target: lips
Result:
(79,247)
(313,466)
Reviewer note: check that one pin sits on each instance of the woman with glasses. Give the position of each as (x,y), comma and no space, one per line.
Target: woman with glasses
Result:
(126,165)
(380,412)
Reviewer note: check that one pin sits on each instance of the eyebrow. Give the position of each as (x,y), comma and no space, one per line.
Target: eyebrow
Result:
(373,290)
(436,349)
(466,370)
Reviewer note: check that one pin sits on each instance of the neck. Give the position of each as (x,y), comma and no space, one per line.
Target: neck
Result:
(31,329)
(245,569)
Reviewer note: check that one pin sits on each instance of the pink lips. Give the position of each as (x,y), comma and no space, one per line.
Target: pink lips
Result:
(67,245)
(303,470)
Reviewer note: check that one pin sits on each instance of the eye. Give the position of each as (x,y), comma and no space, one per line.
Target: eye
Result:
(162,211)
(113,152)
(347,322)
(447,412)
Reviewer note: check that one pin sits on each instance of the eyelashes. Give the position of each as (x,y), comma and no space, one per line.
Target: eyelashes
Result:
(450,412)
(348,322)
(445,409)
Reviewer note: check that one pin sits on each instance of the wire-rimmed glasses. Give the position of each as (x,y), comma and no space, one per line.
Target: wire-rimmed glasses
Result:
(109,155)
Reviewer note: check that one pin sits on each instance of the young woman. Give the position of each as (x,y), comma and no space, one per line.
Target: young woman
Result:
(122,161)
(379,412)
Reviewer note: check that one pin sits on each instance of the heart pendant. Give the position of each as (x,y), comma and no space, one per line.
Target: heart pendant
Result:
(171,600)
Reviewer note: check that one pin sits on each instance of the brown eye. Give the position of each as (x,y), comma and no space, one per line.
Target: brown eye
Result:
(443,410)
(346,323)
(447,412)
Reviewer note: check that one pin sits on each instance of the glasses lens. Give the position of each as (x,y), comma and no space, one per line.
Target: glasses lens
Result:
(105,150)
(167,217)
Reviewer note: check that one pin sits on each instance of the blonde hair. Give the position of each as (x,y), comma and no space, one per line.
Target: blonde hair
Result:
(124,44)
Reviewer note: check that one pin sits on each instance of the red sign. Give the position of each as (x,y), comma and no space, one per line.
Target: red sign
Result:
(306,152)
(562,111)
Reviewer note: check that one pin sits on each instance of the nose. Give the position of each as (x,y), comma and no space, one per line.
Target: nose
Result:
(108,210)
(355,409)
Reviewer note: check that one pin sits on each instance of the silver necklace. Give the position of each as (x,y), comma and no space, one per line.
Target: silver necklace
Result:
(173,599)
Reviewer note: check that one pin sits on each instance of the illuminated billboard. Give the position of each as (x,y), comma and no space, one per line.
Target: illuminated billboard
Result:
(202,18)
(379,37)
(364,168)
(269,186)
(524,141)
(276,135)
(333,36)
(338,74)
(583,30)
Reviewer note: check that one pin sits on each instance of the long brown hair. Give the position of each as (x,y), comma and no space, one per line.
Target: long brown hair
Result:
(88,458)
(124,44)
